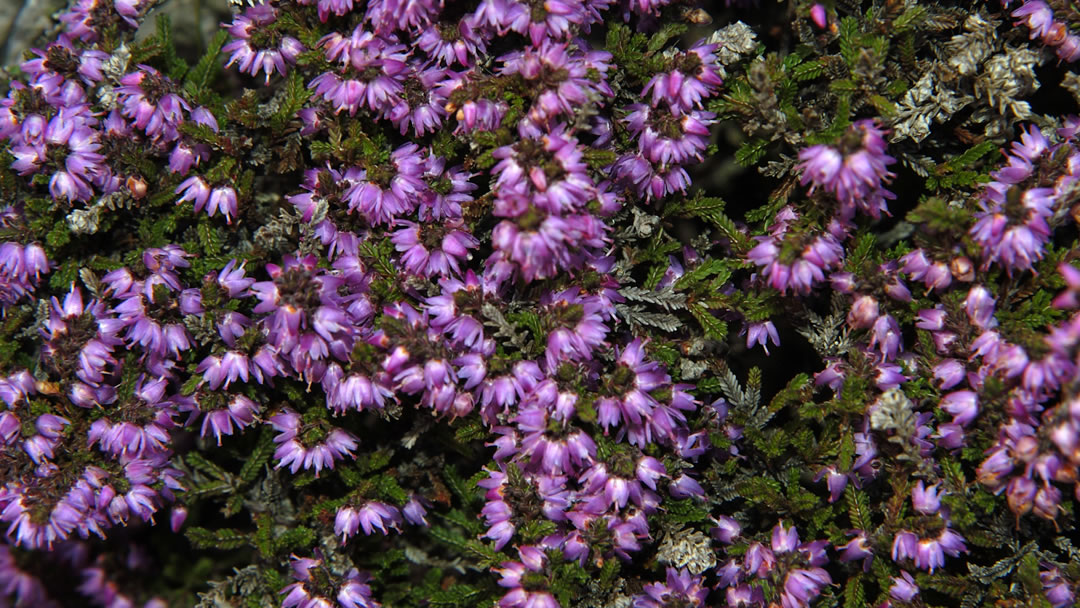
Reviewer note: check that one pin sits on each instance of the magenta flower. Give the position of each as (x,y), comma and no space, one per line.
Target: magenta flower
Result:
(391,191)
(322,588)
(258,45)
(668,138)
(579,327)
(449,42)
(515,576)
(149,98)
(68,148)
(925,500)
(549,170)
(693,77)
(681,589)
(559,75)
(373,515)
(552,20)
(433,250)
(855,172)
(903,588)
(308,446)
(372,76)
(422,105)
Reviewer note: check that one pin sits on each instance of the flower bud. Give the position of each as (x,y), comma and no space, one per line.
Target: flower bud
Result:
(864,311)
(962,269)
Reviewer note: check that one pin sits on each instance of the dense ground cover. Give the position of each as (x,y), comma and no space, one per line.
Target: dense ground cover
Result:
(543,303)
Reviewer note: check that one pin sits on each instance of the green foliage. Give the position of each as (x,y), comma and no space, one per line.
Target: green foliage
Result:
(714,328)
(222,539)
(200,76)
(959,170)
(751,152)
(295,95)
(858,505)
(685,511)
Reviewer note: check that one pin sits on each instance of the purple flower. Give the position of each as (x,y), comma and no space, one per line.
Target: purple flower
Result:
(540,245)
(550,171)
(69,148)
(693,76)
(149,99)
(563,77)
(315,589)
(83,20)
(549,21)
(258,45)
(666,137)
(308,446)
(371,78)
(461,41)
(803,585)
(855,171)
(1056,587)
(433,249)
(516,575)
(371,516)
(579,326)
(1037,15)
(856,549)
(681,589)
(925,500)
(903,588)
(392,190)
(762,333)
(962,405)
(422,105)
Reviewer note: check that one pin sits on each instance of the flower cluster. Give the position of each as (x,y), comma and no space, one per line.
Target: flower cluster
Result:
(456,303)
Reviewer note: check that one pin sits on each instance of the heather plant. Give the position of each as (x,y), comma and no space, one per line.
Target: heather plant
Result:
(599,303)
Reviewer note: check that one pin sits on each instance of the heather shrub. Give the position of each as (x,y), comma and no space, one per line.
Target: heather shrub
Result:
(600,303)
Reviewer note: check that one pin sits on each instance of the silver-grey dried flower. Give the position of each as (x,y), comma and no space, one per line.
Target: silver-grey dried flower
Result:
(692,550)
(735,40)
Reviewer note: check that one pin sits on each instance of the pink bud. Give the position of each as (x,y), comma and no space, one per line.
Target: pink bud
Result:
(177,517)
(817,14)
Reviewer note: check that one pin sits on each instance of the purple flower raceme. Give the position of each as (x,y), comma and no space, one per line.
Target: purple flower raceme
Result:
(220,412)
(69,150)
(431,249)
(150,99)
(384,193)
(21,267)
(517,575)
(855,170)
(307,446)
(422,105)
(537,244)
(680,589)
(372,73)
(368,516)
(786,265)
(1012,227)
(220,198)
(86,17)
(1040,19)
(549,170)
(563,76)
(450,42)
(693,77)
(63,59)
(258,44)
(305,315)
(667,138)
(551,20)
(317,587)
